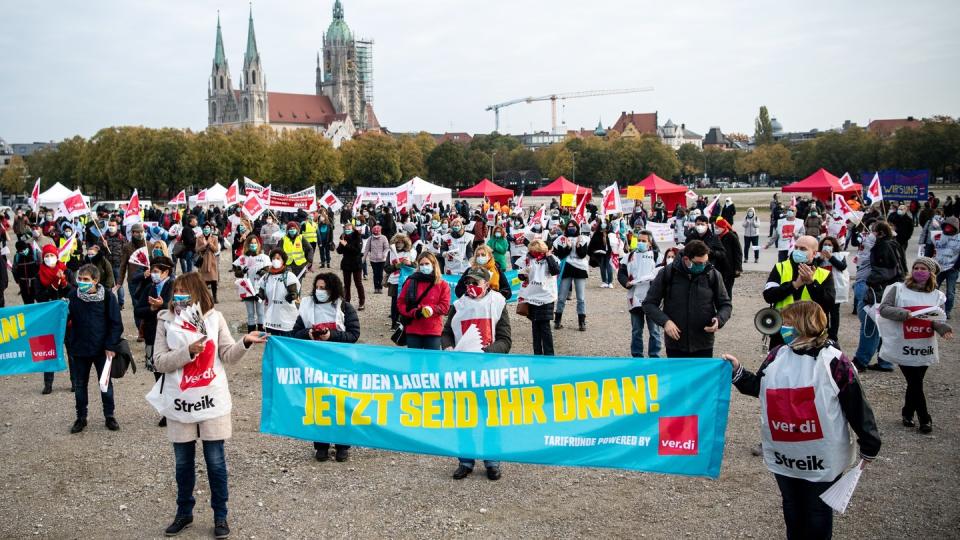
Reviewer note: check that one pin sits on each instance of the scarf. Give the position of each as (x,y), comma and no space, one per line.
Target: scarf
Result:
(416,277)
(491,267)
(48,276)
(96,296)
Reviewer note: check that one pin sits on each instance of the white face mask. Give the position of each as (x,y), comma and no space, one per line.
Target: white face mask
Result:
(701,229)
(321,295)
(482,259)
(50,261)
(277,263)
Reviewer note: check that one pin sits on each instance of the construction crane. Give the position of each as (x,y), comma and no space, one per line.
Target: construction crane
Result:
(555,97)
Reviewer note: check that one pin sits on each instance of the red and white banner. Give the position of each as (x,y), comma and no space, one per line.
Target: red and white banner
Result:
(356,205)
(691,196)
(305,200)
(202,196)
(181,198)
(580,214)
(403,199)
(875,191)
(68,246)
(844,209)
(254,206)
(428,198)
(249,186)
(73,206)
(329,200)
(35,196)
(712,207)
(611,200)
(845,181)
(132,213)
(139,257)
(518,204)
(233,193)
(245,288)
(540,216)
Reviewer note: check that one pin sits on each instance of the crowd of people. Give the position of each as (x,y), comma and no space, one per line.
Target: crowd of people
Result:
(679,295)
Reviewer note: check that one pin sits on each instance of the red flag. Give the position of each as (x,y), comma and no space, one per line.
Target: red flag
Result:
(254,206)
(233,193)
(611,200)
(35,196)
(875,191)
(356,204)
(580,214)
(73,206)
(132,213)
(202,196)
(402,199)
(540,216)
(712,207)
(140,258)
(845,181)
(331,201)
(426,200)
(691,196)
(181,198)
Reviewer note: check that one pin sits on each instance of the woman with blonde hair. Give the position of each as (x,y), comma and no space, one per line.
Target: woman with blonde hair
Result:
(423,302)
(538,272)
(483,258)
(810,396)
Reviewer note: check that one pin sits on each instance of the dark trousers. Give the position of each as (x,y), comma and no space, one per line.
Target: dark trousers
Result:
(542,337)
(915,401)
(805,515)
(324,253)
(677,353)
(358,281)
(728,284)
(833,329)
(80,372)
(423,342)
(324,447)
(378,274)
(394,311)
(749,241)
(185,455)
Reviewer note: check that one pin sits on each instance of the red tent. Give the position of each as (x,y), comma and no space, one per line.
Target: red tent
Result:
(486,188)
(822,185)
(560,186)
(672,194)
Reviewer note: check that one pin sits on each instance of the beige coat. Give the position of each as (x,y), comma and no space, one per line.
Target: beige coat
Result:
(168,361)
(210,266)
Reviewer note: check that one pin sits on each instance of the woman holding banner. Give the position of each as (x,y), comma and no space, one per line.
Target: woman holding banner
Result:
(53,285)
(423,301)
(192,364)
(805,385)
(279,289)
(911,317)
(325,316)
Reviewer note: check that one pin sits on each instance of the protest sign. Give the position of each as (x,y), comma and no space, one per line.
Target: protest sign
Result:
(568,200)
(31,338)
(662,232)
(305,200)
(635,192)
(898,185)
(628,413)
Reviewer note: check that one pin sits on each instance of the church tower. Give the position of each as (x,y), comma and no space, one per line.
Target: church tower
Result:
(254,106)
(221,101)
(340,78)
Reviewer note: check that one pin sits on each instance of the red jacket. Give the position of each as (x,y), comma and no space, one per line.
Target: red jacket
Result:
(438,298)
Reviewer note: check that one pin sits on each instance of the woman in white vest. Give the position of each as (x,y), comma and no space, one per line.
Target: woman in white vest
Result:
(519,237)
(538,272)
(810,395)
(786,233)
(911,316)
(457,249)
(194,396)
(280,291)
(572,248)
(325,316)
(400,254)
(830,257)
(248,268)
(487,311)
(635,274)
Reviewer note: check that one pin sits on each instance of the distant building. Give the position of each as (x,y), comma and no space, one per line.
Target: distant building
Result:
(459,137)
(540,139)
(888,128)
(676,136)
(27,149)
(6,154)
(715,139)
(635,124)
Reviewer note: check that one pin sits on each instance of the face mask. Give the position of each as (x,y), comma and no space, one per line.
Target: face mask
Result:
(348,231)
(276,264)
(789,213)
(321,295)
(252,248)
(158,253)
(206,231)
(749,214)
(426,269)
(701,229)
(813,214)
(921,276)
(498,235)
(181,298)
(799,257)
(91,254)
(457,229)
(788,333)
(291,233)
(483,260)
(50,261)
(697,268)
(156,277)
(571,232)
(84,286)
(642,247)
(434,224)
(827,250)
(49,218)
(241,230)
(474,291)
(669,261)
(269,220)
(901,212)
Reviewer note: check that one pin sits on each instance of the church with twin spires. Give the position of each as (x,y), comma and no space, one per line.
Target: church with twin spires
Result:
(341,106)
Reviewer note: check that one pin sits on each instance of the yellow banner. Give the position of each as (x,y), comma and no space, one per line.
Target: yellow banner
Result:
(568,199)
(635,192)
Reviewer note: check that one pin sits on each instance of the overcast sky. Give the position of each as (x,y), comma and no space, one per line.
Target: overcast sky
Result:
(74,67)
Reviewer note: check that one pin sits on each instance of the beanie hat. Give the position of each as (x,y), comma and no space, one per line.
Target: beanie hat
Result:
(952,221)
(930,263)
(293,225)
(137,227)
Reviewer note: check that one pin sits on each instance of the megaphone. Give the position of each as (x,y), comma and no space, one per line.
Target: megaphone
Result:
(768,321)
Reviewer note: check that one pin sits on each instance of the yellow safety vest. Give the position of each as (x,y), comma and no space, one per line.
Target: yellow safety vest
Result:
(67,256)
(786,275)
(294,250)
(310,232)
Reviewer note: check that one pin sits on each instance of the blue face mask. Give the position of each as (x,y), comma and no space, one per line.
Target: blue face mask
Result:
(181,298)
(697,268)
(799,257)
(84,286)
(788,333)
(641,246)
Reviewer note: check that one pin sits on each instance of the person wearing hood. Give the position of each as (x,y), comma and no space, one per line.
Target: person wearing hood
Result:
(377,250)
(751,236)
(689,301)
(729,210)
(573,249)
(400,254)
(53,285)
(947,250)
(279,289)
(732,267)
(208,247)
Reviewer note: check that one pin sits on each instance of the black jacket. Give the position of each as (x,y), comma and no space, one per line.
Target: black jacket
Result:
(351,325)
(142,307)
(93,327)
(887,263)
(823,294)
(733,254)
(718,255)
(691,301)
(351,251)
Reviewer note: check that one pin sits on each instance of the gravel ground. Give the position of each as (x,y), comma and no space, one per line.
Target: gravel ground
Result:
(101,484)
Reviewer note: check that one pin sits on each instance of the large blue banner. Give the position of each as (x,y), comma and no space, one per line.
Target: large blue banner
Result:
(515,282)
(900,185)
(665,416)
(31,338)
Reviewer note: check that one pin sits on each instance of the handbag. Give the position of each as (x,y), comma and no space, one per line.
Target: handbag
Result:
(523,308)
(399,336)
(122,360)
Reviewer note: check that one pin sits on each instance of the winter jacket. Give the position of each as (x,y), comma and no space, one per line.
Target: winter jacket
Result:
(377,249)
(691,301)
(145,313)
(751,226)
(887,263)
(500,247)
(209,249)
(438,299)
(351,255)
(112,247)
(93,327)
(947,250)
(103,265)
(733,263)
(813,225)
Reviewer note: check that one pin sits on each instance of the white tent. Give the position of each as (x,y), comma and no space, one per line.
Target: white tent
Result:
(216,195)
(55,195)
(418,187)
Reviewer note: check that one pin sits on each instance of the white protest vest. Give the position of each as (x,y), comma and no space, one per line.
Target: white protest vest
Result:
(517,246)
(198,391)
(841,280)
(572,259)
(433,242)
(280,314)
(912,342)
(318,316)
(640,265)
(456,254)
(802,427)
(541,287)
(484,313)
(788,232)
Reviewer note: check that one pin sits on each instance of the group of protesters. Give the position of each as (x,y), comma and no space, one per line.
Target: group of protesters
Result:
(680,295)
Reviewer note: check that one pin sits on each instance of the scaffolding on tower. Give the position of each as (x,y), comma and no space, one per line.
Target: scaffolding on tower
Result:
(364,49)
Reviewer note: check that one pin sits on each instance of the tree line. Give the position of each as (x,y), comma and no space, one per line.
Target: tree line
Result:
(160,162)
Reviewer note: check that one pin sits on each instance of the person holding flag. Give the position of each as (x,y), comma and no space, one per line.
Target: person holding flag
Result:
(132,273)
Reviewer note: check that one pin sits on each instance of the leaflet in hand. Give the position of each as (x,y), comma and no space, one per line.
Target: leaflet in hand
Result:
(190,320)
(840,493)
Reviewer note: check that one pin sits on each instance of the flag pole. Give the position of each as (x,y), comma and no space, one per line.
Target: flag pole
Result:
(99,230)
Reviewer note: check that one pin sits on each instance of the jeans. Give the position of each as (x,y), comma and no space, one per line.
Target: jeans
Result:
(805,515)
(542,338)
(423,342)
(378,274)
(578,285)
(869,342)
(80,373)
(677,353)
(186,261)
(747,242)
(606,270)
(637,320)
(254,312)
(324,253)
(833,329)
(358,281)
(121,294)
(950,278)
(185,455)
(469,462)
(914,401)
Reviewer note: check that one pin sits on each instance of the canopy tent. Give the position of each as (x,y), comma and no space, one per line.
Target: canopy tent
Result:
(672,194)
(55,195)
(822,185)
(418,188)
(562,186)
(216,196)
(486,188)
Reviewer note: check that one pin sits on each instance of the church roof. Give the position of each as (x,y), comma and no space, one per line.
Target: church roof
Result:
(373,124)
(338,29)
(300,108)
(251,40)
(219,57)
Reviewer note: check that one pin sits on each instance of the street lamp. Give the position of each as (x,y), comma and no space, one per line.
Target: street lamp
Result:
(574,155)
(492,171)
